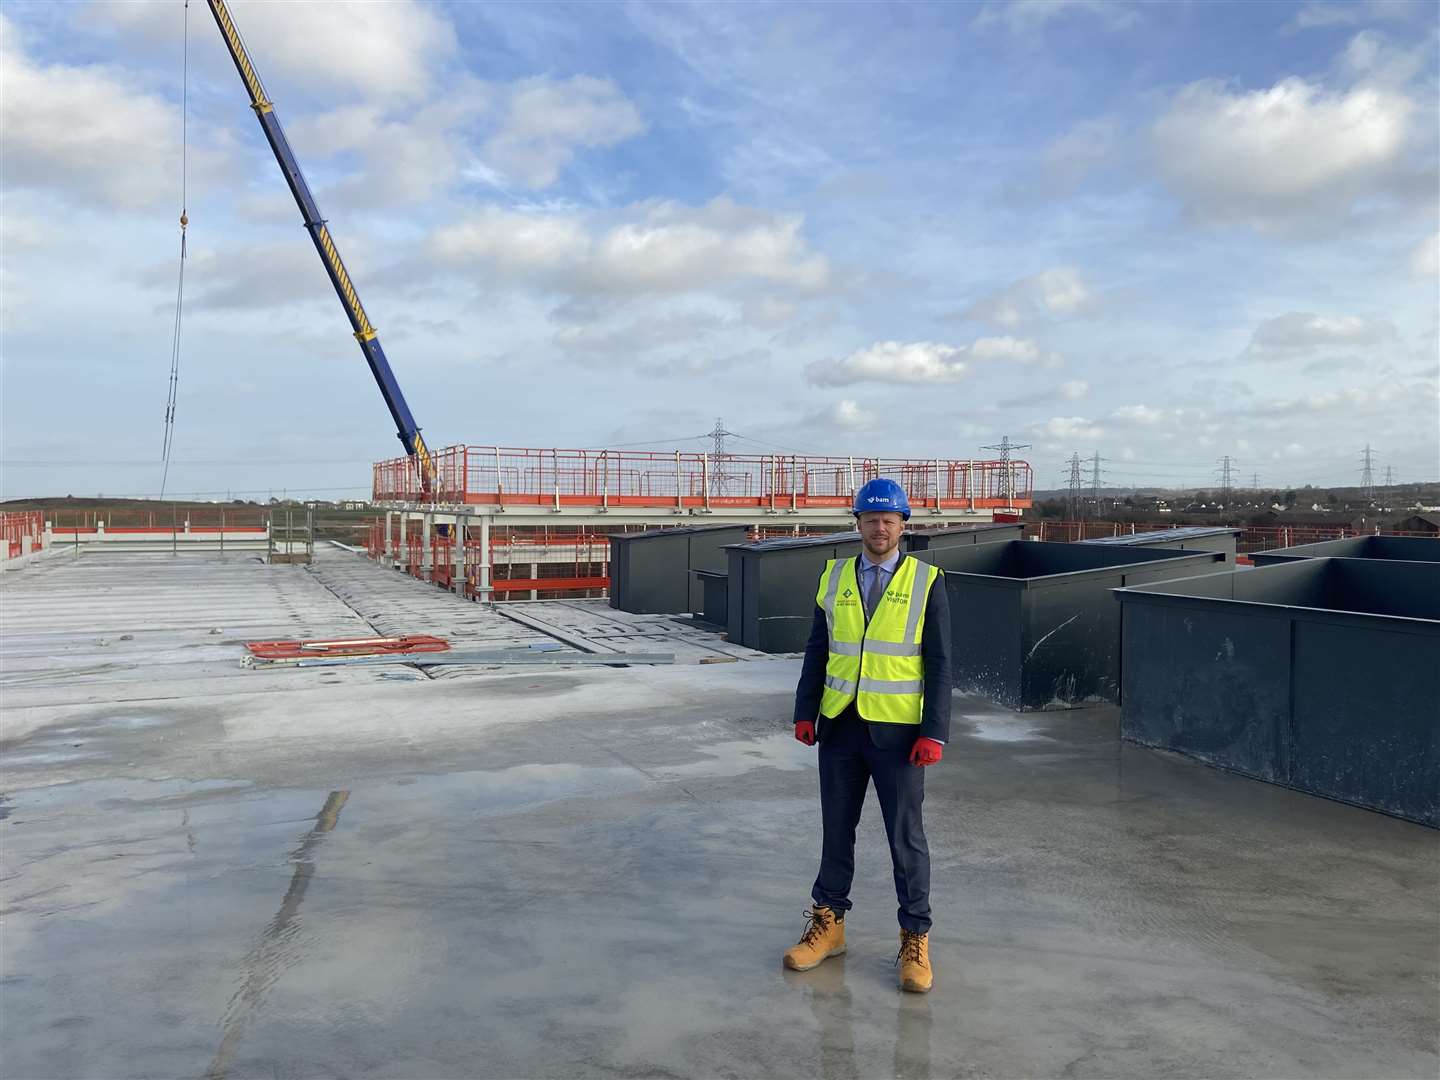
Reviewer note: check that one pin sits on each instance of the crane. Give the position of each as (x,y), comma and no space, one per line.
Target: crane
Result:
(365,333)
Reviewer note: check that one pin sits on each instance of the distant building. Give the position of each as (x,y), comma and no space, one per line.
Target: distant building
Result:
(1421,523)
(1331,519)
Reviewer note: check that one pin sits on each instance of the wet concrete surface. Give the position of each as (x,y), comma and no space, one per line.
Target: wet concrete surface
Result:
(594,872)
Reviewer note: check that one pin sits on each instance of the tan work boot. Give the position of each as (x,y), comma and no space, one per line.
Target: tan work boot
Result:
(824,937)
(914,961)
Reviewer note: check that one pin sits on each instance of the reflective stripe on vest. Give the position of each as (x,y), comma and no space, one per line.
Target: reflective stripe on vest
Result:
(876,664)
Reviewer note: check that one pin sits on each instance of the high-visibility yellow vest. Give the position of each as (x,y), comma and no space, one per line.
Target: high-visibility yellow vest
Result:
(878,666)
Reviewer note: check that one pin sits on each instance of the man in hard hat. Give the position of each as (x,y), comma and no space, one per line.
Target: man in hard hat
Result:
(875,693)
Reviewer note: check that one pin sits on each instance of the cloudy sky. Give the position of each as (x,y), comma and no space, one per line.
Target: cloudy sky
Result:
(1163,232)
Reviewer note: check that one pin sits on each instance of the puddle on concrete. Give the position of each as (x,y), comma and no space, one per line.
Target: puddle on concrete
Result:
(1015,728)
(132,721)
(118,792)
(779,751)
(503,791)
(48,757)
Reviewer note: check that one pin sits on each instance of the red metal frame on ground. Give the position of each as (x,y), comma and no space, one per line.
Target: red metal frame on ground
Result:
(294,650)
(508,476)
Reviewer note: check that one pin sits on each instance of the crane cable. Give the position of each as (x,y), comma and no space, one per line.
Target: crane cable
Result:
(184,221)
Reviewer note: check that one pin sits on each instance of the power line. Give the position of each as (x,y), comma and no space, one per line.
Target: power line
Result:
(776,446)
(1074,486)
(1095,483)
(719,478)
(1367,473)
(1227,478)
(655,442)
(174,385)
(1007,471)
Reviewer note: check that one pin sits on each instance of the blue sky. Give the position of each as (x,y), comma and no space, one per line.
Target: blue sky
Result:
(1166,233)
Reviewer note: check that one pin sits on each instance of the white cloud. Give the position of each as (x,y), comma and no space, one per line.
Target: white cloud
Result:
(20,233)
(925,361)
(87,133)
(1065,428)
(1074,389)
(674,244)
(850,416)
(1279,156)
(671,338)
(1139,414)
(1425,259)
(1025,17)
(515,242)
(663,247)
(403,106)
(255,277)
(703,362)
(1055,293)
(367,51)
(408,153)
(1085,147)
(1015,350)
(893,361)
(633,337)
(1350,397)
(1302,331)
(830,426)
(1352,14)
(1353,401)
(546,120)
(1371,56)
(525,132)
(769,311)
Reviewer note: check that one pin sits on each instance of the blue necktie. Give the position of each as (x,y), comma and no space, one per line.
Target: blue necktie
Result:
(874,592)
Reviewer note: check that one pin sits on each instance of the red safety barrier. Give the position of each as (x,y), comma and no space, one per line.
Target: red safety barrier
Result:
(510,476)
(414,548)
(548,584)
(19,524)
(114,519)
(441,572)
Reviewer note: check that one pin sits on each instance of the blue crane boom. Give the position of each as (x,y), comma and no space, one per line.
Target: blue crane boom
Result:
(365,333)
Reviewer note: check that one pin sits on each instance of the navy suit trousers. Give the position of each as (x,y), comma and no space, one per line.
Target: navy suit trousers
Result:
(849,761)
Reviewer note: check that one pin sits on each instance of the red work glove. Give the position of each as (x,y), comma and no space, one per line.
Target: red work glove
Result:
(805,731)
(926,752)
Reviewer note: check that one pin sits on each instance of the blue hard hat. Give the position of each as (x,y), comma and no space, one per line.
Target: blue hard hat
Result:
(882,495)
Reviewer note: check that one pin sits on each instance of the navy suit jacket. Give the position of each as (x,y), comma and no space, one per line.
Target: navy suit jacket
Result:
(934,653)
